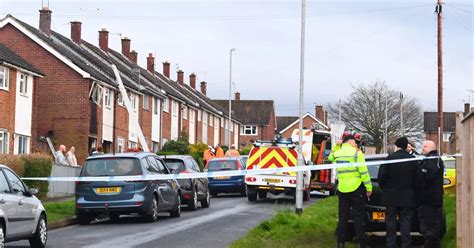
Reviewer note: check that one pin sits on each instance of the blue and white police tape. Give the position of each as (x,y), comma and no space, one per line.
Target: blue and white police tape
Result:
(255,171)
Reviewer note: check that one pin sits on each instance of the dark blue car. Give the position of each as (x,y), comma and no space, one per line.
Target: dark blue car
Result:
(115,198)
(226,184)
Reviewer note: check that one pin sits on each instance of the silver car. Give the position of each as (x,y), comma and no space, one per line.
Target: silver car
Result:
(22,216)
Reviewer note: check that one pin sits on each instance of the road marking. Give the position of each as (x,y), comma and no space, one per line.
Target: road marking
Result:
(137,239)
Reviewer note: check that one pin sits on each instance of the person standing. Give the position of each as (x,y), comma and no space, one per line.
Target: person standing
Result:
(219,151)
(59,158)
(209,154)
(431,195)
(354,187)
(398,184)
(71,156)
(411,149)
(232,152)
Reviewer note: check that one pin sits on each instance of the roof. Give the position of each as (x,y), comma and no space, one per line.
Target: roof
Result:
(250,112)
(7,55)
(284,121)
(121,155)
(431,122)
(283,129)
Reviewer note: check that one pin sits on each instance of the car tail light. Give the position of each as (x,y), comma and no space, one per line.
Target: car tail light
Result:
(185,172)
(292,181)
(138,203)
(250,179)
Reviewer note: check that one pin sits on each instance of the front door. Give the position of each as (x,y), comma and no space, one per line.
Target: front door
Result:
(8,205)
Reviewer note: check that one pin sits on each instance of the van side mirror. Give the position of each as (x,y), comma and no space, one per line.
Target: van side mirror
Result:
(33,191)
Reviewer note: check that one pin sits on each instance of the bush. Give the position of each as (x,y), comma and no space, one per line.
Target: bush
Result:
(164,153)
(180,146)
(197,152)
(38,166)
(13,162)
(245,151)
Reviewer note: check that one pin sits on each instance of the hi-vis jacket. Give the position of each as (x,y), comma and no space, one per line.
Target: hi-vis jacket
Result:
(350,177)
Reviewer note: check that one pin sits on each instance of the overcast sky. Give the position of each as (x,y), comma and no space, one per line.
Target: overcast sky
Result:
(347,43)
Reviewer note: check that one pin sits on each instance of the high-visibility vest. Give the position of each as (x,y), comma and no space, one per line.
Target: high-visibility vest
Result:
(208,155)
(219,153)
(350,177)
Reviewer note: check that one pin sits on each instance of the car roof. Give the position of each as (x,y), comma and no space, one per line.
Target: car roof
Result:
(226,159)
(174,156)
(376,157)
(121,155)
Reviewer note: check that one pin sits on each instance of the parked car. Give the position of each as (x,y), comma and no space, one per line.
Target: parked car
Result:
(115,198)
(244,159)
(226,184)
(449,172)
(22,216)
(192,190)
(375,210)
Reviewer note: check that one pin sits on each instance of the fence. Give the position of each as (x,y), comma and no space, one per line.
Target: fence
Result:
(63,189)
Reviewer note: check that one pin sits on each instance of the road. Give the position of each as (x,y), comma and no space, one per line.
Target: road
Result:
(228,218)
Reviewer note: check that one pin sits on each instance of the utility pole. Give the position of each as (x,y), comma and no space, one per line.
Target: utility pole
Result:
(299,174)
(230,98)
(385,140)
(439,11)
(401,114)
(340,109)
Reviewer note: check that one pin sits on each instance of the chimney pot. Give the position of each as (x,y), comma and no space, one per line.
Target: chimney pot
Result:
(45,21)
(166,69)
(76,32)
(467,108)
(203,88)
(133,56)
(104,40)
(180,77)
(237,96)
(192,80)
(126,47)
(150,63)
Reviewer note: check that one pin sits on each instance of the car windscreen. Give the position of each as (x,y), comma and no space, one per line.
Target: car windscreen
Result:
(112,167)
(450,164)
(222,165)
(244,160)
(373,170)
(175,164)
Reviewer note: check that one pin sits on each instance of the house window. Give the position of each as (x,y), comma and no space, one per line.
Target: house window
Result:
(204,118)
(211,120)
(134,102)
(23,84)
(446,136)
(96,93)
(156,105)
(107,98)
(248,130)
(145,102)
(185,113)
(155,147)
(132,144)
(120,100)
(120,145)
(199,115)
(175,106)
(23,142)
(3,78)
(222,122)
(226,124)
(191,116)
(4,142)
(166,105)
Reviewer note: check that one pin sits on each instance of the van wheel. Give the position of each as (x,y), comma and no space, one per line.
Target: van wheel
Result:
(84,220)
(176,212)
(152,215)
(206,202)
(252,197)
(243,192)
(2,235)
(41,235)
(192,204)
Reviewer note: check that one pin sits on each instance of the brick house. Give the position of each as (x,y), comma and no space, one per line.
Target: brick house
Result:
(287,124)
(257,117)
(17,81)
(431,128)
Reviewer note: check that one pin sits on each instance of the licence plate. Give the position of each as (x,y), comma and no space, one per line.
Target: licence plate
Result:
(378,216)
(108,190)
(222,177)
(272,180)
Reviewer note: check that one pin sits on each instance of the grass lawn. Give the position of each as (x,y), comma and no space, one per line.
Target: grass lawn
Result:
(57,211)
(316,227)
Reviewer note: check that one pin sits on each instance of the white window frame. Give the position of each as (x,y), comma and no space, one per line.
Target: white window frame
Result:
(4,142)
(156,105)
(145,102)
(166,105)
(107,98)
(132,144)
(134,102)
(204,118)
(199,115)
(226,124)
(174,108)
(120,144)
(222,122)
(446,136)
(192,116)
(246,128)
(185,113)
(4,83)
(211,120)
(23,87)
(120,101)
(23,144)
(95,93)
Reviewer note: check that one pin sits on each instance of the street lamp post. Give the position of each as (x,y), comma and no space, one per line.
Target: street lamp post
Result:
(230,98)
(401,114)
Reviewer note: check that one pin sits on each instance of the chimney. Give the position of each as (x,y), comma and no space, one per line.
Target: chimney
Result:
(133,56)
(203,88)
(76,32)
(180,77)
(126,47)
(320,113)
(467,108)
(104,40)
(45,21)
(192,80)
(325,117)
(166,69)
(237,96)
(150,63)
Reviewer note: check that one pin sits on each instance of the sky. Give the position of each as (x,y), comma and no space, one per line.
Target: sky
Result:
(347,43)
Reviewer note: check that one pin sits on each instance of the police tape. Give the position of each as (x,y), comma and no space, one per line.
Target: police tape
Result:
(208,174)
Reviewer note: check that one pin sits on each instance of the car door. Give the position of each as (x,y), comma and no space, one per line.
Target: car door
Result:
(201,182)
(153,169)
(24,203)
(166,185)
(8,203)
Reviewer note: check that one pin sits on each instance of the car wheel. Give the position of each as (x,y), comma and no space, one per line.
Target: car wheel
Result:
(176,212)
(152,215)
(2,235)
(41,235)
(252,197)
(114,217)
(192,204)
(262,194)
(84,220)
(206,202)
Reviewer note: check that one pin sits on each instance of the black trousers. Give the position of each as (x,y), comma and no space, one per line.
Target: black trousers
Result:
(430,225)
(355,201)
(405,214)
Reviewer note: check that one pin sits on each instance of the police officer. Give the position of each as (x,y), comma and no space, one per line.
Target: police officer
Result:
(354,188)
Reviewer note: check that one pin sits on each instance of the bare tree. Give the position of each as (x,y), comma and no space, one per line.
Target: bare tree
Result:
(364,111)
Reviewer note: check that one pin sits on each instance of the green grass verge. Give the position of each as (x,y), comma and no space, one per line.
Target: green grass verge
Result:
(58,211)
(316,227)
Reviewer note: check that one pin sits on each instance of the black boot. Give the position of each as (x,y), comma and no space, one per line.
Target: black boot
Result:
(340,244)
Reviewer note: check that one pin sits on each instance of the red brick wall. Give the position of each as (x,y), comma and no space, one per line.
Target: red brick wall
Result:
(7,108)
(199,126)
(434,137)
(307,122)
(167,122)
(145,116)
(61,103)
(121,124)
(185,122)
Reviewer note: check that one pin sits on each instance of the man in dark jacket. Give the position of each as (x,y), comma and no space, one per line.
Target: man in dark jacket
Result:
(431,196)
(398,193)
